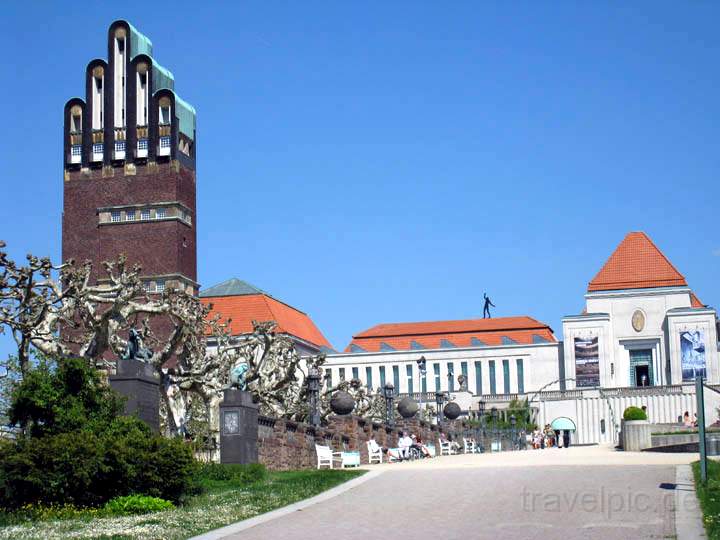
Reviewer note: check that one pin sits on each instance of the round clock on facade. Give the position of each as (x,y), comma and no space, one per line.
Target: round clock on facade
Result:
(638,320)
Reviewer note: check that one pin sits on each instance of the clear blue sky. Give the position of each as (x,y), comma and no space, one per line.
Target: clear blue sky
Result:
(374,162)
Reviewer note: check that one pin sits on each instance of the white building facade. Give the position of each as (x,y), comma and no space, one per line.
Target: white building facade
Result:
(641,340)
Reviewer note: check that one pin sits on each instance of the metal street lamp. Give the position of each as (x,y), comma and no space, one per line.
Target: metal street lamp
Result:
(494,415)
(513,422)
(422,368)
(389,395)
(314,396)
(481,412)
(440,399)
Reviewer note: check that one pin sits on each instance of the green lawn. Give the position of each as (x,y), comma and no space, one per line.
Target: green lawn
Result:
(709,496)
(221,504)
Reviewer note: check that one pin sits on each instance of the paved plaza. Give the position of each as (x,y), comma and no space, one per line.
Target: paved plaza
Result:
(583,492)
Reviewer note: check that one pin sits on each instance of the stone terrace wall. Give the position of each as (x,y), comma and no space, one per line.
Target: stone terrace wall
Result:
(285,445)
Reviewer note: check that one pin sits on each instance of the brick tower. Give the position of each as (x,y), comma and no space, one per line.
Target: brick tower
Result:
(129,161)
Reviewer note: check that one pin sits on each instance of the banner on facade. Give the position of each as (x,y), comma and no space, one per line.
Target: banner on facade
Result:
(692,354)
(587,362)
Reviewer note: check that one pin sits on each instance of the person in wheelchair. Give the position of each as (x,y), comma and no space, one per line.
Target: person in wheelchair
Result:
(421,451)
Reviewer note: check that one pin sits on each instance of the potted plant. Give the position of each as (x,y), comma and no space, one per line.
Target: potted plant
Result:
(635,432)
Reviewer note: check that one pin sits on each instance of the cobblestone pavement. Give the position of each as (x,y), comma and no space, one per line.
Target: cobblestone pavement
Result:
(578,493)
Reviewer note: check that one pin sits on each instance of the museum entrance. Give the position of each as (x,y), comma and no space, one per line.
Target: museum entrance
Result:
(641,367)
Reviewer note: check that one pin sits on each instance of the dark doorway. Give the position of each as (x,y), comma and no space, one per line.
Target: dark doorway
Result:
(642,375)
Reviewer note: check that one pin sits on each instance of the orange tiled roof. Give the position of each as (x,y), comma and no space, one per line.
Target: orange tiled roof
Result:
(244,309)
(636,263)
(430,335)
(695,301)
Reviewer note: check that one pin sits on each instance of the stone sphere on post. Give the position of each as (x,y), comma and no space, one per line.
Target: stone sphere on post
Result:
(342,403)
(408,407)
(452,410)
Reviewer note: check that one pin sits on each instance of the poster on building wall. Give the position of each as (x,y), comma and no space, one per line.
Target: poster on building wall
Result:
(587,362)
(692,354)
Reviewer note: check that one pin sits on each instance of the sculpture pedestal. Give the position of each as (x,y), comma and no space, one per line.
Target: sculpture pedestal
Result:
(238,427)
(140,384)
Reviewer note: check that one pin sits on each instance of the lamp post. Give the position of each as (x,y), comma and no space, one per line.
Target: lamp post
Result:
(422,368)
(314,395)
(481,413)
(513,421)
(440,399)
(389,395)
(494,415)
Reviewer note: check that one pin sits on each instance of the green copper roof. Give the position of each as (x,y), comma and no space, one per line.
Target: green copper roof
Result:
(162,78)
(139,43)
(231,287)
(186,117)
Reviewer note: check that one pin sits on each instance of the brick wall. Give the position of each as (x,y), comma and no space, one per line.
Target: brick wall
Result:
(285,445)
(162,247)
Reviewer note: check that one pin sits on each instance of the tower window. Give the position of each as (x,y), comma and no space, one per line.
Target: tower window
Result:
(145,213)
(130,215)
(165,114)
(115,216)
(76,123)
(97,98)
(160,213)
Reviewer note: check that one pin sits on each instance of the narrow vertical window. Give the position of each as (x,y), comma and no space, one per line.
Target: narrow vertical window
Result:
(436,372)
(342,373)
(356,373)
(478,378)
(520,376)
(493,383)
(368,377)
(142,94)
(98,101)
(451,376)
(119,78)
(506,376)
(382,376)
(396,379)
(464,371)
(409,370)
(328,377)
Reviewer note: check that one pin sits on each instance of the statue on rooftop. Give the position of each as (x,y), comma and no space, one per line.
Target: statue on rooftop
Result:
(486,308)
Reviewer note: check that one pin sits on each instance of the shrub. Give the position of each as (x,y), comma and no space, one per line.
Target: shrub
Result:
(235,473)
(634,413)
(135,504)
(85,454)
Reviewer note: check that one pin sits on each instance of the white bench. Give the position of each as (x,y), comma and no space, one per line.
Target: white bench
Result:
(469,446)
(374,457)
(326,457)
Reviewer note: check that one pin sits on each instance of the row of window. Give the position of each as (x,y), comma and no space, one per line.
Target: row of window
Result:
(145,214)
(451,377)
(156,286)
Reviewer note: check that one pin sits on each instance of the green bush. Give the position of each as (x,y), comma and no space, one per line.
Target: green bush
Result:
(135,504)
(86,454)
(238,474)
(634,413)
